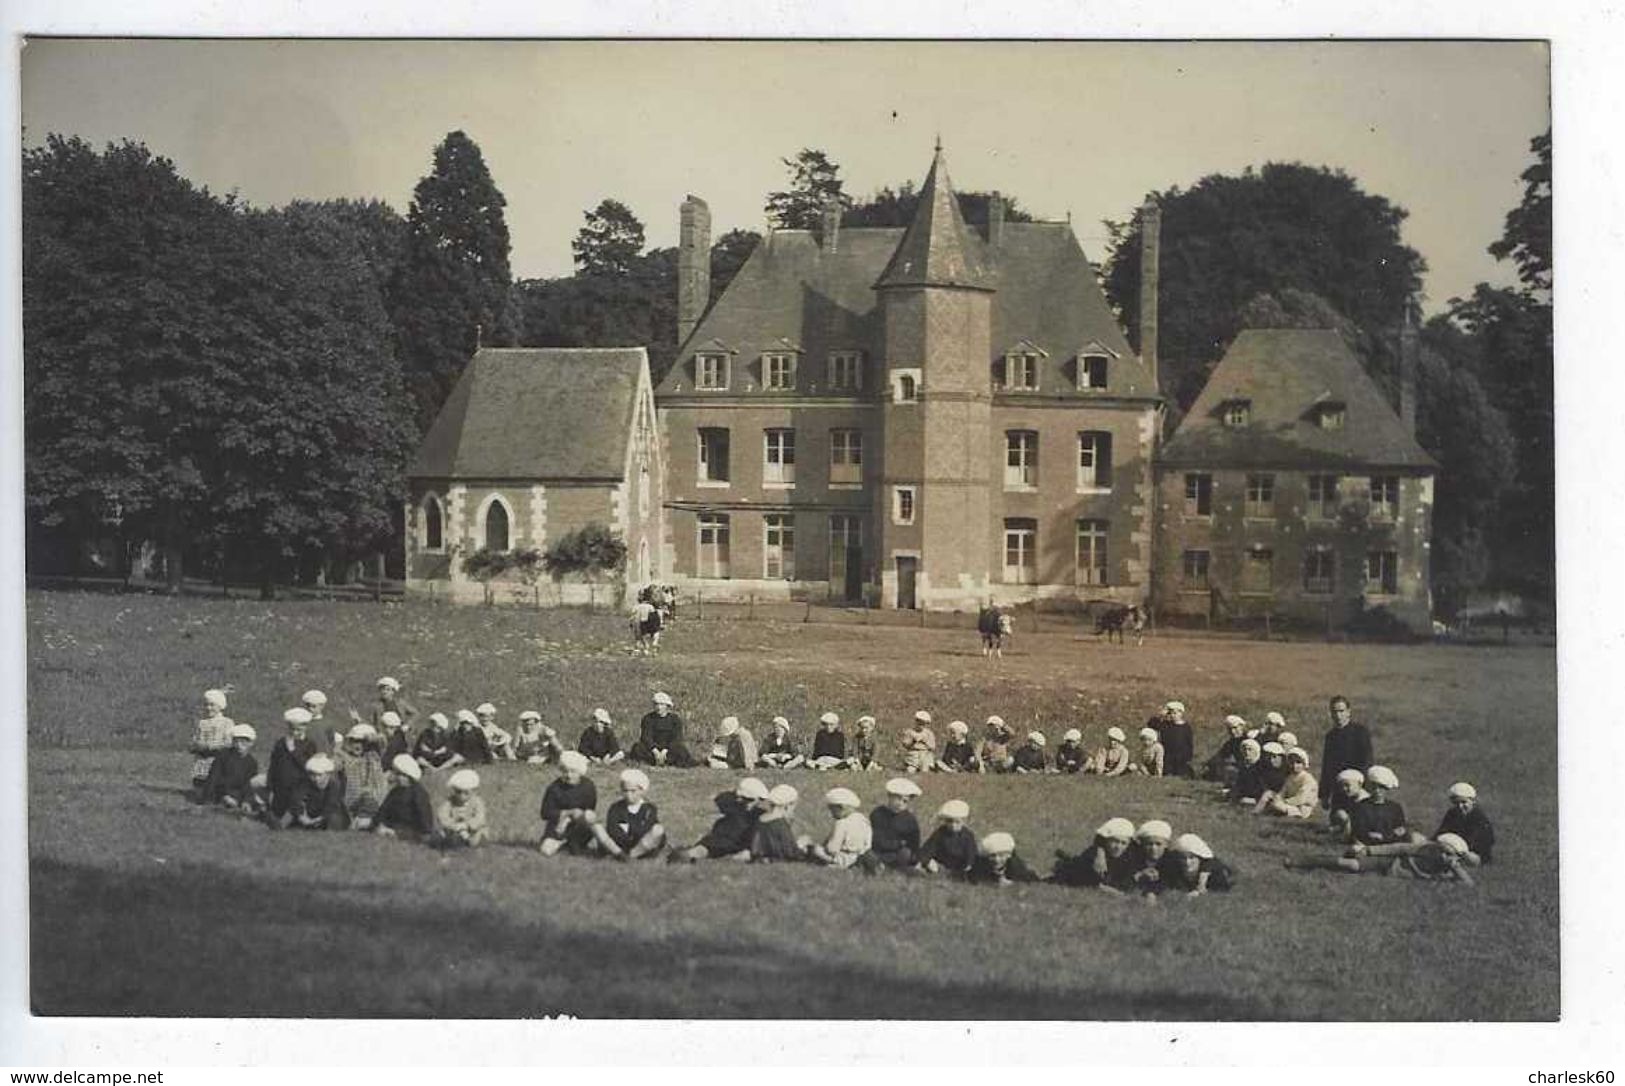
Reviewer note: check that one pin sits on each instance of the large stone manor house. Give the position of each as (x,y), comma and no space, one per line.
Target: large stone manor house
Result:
(938,417)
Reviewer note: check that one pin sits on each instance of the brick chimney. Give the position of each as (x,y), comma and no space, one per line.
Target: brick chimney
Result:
(1408,350)
(830,225)
(995,218)
(1150,259)
(693,265)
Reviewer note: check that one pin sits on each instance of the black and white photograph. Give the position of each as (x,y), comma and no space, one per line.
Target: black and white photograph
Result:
(968,530)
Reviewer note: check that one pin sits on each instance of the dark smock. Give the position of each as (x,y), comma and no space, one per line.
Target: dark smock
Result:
(627,827)
(1473,827)
(657,732)
(954,851)
(828,744)
(864,749)
(1015,869)
(1178,747)
(1226,760)
(1095,867)
(469,741)
(560,797)
(774,841)
(1069,757)
(1171,868)
(733,831)
(399,742)
(778,751)
(1030,758)
(959,755)
(598,744)
(408,811)
(1249,780)
(286,775)
(434,746)
(896,837)
(325,804)
(1348,747)
(1377,823)
(231,775)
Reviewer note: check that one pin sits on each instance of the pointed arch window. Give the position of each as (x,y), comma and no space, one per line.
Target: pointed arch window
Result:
(497,525)
(434,521)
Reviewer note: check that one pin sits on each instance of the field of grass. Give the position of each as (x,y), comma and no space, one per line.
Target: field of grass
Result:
(143,904)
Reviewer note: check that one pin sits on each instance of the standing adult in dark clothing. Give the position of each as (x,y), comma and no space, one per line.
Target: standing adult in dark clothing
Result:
(1177,739)
(1467,820)
(660,736)
(1347,746)
(469,740)
(896,832)
(407,811)
(286,773)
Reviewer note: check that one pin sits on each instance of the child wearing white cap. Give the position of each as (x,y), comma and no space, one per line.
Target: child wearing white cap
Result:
(569,807)
(462,813)
(320,802)
(1444,859)
(231,775)
(211,737)
(995,753)
(434,748)
(730,835)
(779,749)
(660,736)
(362,772)
(1467,820)
(774,839)
(391,700)
(733,748)
(1248,784)
(469,741)
(958,753)
(1177,739)
(894,831)
(865,748)
(286,774)
(534,742)
(407,811)
(850,836)
(497,738)
(997,863)
(1030,757)
(951,848)
(918,745)
(1149,760)
(1151,841)
(1299,794)
(1109,863)
(1112,760)
(1378,820)
(1348,793)
(396,739)
(1272,772)
(322,733)
(1190,868)
(598,743)
(1222,766)
(631,828)
(829,744)
(1070,755)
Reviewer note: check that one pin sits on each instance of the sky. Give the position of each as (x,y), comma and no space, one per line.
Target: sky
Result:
(1079,129)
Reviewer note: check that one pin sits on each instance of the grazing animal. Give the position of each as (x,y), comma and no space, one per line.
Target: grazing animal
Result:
(650,615)
(1119,619)
(995,627)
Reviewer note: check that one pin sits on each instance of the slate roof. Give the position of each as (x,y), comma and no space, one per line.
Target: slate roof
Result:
(536,413)
(936,249)
(1285,373)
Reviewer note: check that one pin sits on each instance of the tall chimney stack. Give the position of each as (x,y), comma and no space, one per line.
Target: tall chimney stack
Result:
(693,265)
(1408,350)
(830,225)
(1150,259)
(995,218)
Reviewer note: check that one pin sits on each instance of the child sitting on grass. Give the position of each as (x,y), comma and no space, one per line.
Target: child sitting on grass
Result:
(995,753)
(1227,759)
(1029,757)
(1248,784)
(1348,793)
(951,848)
(733,748)
(397,740)
(363,774)
(211,737)
(1114,759)
(231,775)
(534,742)
(1150,760)
(1070,755)
(1150,846)
(497,738)
(1190,868)
(286,775)
(469,740)
(731,834)
(434,748)
(1299,794)
(407,811)
(1467,820)
(569,807)
(780,750)
(865,747)
(1109,863)
(918,745)
(894,831)
(462,813)
(631,828)
(1378,820)
(850,837)
(829,744)
(958,754)
(599,743)
(320,803)
(998,864)
(774,839)
(1272,773)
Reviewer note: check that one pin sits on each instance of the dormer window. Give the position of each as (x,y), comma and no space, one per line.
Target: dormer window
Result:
(845,371)
(778,372)
(1092,371)
(711,371)
(1238,413)
(1331,415)
(1021,371)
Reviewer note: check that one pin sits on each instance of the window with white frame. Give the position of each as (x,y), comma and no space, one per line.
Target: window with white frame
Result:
(434,521)
(846,457)
(1384,497)
(1021,371)
(1091,561)
(1092,371)
(1193,568)
(713,454)
(711,371)
(1382,573)
(1258,571)
(779,547)
(713,545)
(1238,413)
(1319,571)
(1260,495)
(778,372)
(846,371)
(779,458)
(1020,551)
(902,504)
(1198,494)
(1094,460)
(1020,459)
(1323,497)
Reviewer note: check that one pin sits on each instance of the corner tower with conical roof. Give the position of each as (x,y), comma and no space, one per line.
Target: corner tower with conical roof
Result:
(936,296)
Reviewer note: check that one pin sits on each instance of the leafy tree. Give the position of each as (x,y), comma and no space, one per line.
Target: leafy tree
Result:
(814,180)
(1527,238)
(451,290)
(728,255)
(610,242)
(896,207)
(1228,239)
(590,552)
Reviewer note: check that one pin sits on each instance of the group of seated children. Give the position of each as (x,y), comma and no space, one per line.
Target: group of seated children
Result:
(1148,861)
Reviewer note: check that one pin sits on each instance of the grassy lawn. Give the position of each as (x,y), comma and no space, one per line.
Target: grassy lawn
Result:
(142,904)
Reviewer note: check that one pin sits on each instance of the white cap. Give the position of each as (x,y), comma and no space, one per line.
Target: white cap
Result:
(215,699)
(406,766)
(922,716)
(466,716)
(635,778)
(782,795)
(845,797)
(1272,717)
(1116,829)
(532,714)
(1454,842)
(484,708)
(1154,830)
(829,718)
(1148,733)
(1192,845)
(958,727)
(1117,734)
(319,763)
(1463,790)
(662,698)
(1036,738)
(1287,740)
(781,722)
(998,842)
(600,715)
(750,788)
(243,731)
(438,718)
(1353,775)
(954,808)
(1382,775)
(902,786)
(1272,747)
(1072,735)
(996,721)
(1298,754)
(573,760)
(1175,707)
(389,683)
(361,732)
(1250,743)
(730,725)
(297,716)
(464,780)
(865,720)
(1234,721)
(389,718)
(314,697)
